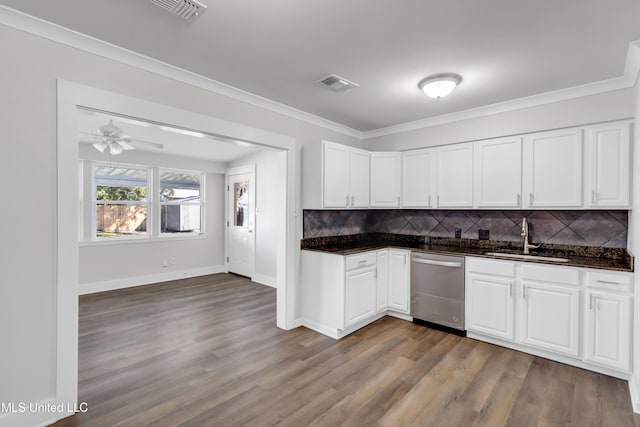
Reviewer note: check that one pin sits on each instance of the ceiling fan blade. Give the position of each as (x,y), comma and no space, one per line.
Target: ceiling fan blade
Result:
(125,145)
(91,140)
(91,134)
(152,144)
(101,146)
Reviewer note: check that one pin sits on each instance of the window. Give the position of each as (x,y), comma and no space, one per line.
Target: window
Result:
(180,207)
(121,201)
(131,201)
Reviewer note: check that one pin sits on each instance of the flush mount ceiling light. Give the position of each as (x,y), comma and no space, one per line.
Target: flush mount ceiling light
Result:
(439,85)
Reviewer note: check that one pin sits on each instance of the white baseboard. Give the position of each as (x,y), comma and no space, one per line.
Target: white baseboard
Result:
(402,316)
(128,282)
(634,391)
(265,280)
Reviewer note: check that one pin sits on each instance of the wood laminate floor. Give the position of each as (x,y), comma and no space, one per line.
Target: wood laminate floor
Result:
(205,352)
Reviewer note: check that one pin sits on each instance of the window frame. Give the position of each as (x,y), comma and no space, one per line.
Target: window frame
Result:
(88,236)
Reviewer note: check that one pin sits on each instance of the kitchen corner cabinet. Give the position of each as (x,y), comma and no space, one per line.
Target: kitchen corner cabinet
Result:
(454,169)
(345,176)
(385,179)
(418,178)
(490,297)
(398,280)
(552,169)
(498,173)
(608,159)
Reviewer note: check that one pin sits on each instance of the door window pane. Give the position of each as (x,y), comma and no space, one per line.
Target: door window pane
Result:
(241,203)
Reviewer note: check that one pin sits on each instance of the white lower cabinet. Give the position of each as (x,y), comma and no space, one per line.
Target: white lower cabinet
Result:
(360,295)
(550,317)
(382,280)
(537,308)
(339,294)
(398,280)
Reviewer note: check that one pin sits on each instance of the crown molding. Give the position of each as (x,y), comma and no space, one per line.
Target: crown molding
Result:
(631,71)
(56,33)
(39,27)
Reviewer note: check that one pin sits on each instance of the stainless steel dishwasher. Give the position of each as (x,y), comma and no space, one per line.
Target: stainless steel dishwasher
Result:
(437,291)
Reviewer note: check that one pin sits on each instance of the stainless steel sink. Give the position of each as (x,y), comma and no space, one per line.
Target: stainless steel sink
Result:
(528,257)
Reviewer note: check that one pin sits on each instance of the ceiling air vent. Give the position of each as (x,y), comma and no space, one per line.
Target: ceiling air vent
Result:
(337,83)
(187,9)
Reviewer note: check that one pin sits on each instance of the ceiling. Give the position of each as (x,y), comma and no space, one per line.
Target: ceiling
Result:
(504,49)
(174,141)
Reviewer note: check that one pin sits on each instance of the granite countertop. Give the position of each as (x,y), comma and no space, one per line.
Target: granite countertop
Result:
(579,256)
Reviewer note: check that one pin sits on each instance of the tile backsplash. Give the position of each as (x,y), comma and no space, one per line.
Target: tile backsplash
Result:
(578,228)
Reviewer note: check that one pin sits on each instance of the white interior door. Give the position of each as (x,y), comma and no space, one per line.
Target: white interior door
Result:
(241,220)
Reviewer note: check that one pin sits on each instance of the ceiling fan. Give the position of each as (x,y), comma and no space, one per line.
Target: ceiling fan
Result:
(112,137)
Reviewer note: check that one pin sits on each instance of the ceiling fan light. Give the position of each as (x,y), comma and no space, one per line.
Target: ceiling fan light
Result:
(439,85)
(100,146)
(115,149)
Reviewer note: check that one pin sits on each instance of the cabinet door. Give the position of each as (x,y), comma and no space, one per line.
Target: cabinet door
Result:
(382,280)
(399,280)
(455,176)
(417,179)
(550,317)
(360,295)
(385,179)
(608,159)
(553,169)
(335,175)
(608,336)
(498,173)
(358,178)
(489,305)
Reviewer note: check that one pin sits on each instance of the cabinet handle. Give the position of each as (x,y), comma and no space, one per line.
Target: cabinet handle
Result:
(530,199)
(429,201)
(524,292)
(364,261)
(438,201)
(590,302)
(593,197)
(352,201)
(518,198)
(511,289)
(347,201)
(606,282)
(398,200)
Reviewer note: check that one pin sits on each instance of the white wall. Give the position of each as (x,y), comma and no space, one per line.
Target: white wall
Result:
(573,112)
(109,265)
(270,176)
(30,67)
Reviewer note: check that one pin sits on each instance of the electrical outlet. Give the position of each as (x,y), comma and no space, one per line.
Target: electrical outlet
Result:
(483,234)
(458,232)
(164,262)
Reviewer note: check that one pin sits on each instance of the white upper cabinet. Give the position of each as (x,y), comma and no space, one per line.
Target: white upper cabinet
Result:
(454,166)
(417,179)
(345,176)
(358,178)
(498,173)
(385,179)
(608,165)
(553,169)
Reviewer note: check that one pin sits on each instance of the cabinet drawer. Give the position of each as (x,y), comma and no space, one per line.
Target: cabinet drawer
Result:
(611,281)
(367,259)
(494,268)
(566,276)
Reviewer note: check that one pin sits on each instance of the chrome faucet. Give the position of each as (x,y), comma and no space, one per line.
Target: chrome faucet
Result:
(525,234)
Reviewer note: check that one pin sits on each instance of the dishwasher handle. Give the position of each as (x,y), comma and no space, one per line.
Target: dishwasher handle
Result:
(439,263)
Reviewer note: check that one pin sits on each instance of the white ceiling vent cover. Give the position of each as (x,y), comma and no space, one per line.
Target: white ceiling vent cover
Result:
(187,9)
(337,83)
